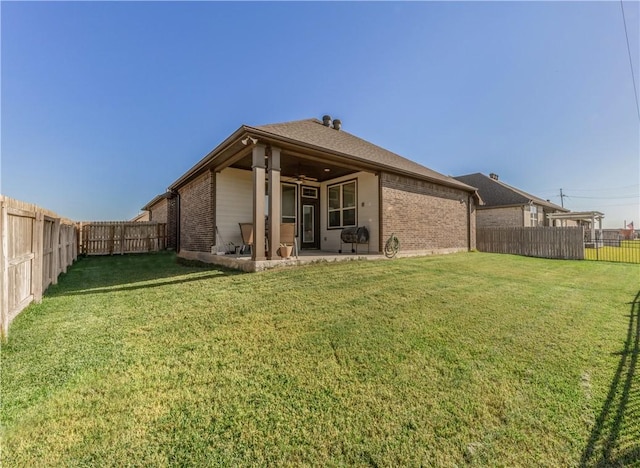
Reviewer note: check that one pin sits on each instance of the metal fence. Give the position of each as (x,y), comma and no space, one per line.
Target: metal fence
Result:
(559,242)
(612,250)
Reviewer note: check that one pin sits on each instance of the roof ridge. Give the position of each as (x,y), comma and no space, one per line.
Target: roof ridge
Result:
(312,119)
(516,190)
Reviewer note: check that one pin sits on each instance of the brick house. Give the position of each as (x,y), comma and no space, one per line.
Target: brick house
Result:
(506,206)
(163,209)
(140,218)
(322,179)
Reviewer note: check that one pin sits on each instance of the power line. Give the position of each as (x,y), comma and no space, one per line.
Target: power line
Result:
(633,78)
(607,189)
(603,198)
(604,189)
(619,204)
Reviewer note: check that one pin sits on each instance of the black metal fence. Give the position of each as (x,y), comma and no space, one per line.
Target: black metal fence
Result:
(559,242)
(612,250)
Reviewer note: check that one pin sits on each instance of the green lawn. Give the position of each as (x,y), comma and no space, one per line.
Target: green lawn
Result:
(477,359)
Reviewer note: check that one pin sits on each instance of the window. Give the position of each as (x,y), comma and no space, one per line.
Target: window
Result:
(342,204)
(309,192)
(289,203)
(533,213)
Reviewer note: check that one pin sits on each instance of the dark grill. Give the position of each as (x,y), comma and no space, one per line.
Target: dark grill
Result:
(354,235)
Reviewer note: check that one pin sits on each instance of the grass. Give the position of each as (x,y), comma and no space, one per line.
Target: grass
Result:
(476,359)
(628,252)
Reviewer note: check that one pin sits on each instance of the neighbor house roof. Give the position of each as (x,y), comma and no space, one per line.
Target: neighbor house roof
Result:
(156,200)
(312,134)
(144,216)
(494,192)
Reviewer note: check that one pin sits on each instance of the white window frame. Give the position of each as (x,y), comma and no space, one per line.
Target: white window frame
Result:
(533,215)
(308,190)
(342,208)
(295,216)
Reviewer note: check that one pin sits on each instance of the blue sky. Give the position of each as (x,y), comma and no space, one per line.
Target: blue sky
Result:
(106,104)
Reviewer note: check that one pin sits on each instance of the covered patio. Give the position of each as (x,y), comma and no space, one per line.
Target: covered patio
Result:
(584,218)
(247,264)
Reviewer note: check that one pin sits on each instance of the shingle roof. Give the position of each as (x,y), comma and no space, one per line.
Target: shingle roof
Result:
(155,200)
(313,132)
(497,193)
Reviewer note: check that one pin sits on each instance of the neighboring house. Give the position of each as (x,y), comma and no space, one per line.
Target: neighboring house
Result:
(504,205)
(322,179)
(142,217)
(163,209)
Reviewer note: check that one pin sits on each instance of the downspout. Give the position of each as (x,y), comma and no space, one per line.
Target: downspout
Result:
(380,212)
(178,226)
(469,222)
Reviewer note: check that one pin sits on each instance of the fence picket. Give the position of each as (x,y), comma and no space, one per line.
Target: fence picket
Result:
(117,237)
(30,254)
(545,242)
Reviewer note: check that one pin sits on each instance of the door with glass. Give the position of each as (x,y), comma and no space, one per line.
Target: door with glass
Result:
(309,217)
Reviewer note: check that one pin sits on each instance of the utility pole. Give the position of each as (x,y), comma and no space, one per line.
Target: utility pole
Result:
(562,195)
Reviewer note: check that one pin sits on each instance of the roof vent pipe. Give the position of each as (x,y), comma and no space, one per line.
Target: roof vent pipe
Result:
(337,124)
(493,176)
(326,120)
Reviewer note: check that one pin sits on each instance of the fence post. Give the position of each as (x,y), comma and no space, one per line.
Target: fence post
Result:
(4,269)
(123,237)
(55,264)
(76,241)
(112,239)
(37,271)
(84,235)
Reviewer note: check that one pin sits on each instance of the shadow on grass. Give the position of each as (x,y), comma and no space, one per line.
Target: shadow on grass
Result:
(615,438)
(145,285)
(91,275)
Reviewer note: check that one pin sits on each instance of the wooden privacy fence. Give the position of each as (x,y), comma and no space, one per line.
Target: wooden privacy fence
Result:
(117,237)
(545,242)
(37,245)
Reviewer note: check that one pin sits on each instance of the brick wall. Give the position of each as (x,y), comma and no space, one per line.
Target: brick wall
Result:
(172,222)
(425,216)
(197,228)
(512,216)
(158,212)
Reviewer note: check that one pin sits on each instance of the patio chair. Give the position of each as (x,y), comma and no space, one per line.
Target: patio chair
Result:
(288,236)
(246,231)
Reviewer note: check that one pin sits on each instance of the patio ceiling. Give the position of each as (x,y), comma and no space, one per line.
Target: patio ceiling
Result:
(294,167)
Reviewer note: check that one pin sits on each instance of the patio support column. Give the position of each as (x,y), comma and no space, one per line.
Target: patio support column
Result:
(600,230)
(274,202)
(257,252)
